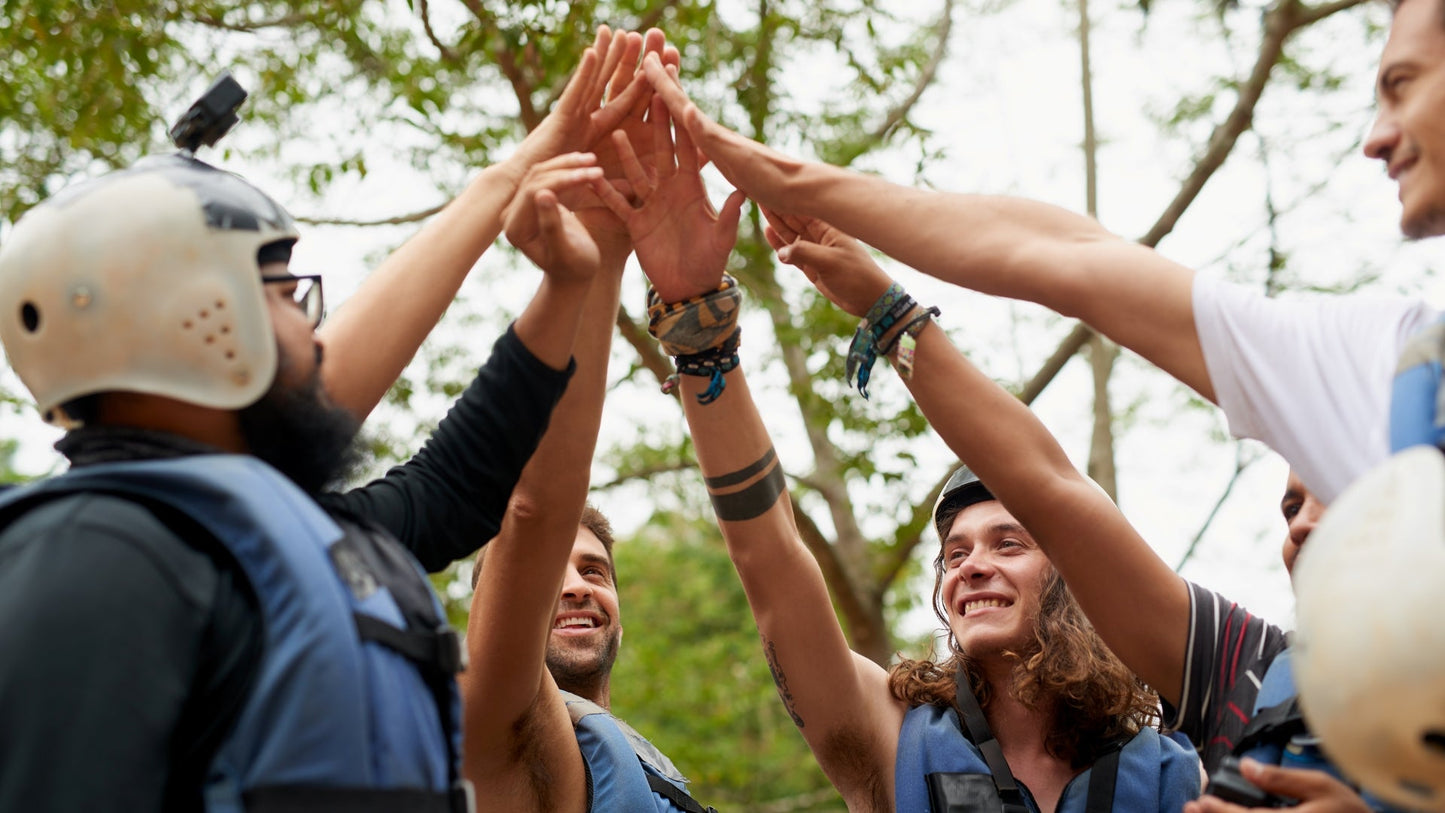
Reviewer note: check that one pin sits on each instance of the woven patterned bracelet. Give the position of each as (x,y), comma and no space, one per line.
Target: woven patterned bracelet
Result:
(698,324)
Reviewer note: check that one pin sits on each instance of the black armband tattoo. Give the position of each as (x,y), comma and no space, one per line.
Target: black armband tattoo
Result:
(752,500)
(741,475)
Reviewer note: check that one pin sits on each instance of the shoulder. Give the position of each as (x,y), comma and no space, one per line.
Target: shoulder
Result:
(1227,623)
(108,545)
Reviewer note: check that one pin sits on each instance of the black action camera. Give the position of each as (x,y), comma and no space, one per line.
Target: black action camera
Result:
(1229,784)
(211,116)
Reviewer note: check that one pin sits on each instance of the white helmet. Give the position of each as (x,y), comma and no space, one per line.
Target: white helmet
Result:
(146,280)
(1369,659)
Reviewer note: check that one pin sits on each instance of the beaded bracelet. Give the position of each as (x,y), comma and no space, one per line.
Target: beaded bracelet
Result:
(711,364)
(863,351)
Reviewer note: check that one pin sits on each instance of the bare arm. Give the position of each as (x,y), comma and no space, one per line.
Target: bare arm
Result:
(519,742)
(514,717)
(374,336)
(1138,604)
(1009,247)
(839,701)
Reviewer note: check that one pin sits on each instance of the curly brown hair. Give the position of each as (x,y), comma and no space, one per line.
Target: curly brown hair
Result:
(1093,699)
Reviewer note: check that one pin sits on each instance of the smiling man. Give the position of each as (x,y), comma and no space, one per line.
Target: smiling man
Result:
(1409,131)
(587,631)
(545,624)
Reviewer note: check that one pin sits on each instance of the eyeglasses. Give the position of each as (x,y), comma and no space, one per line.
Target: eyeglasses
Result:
(307,294)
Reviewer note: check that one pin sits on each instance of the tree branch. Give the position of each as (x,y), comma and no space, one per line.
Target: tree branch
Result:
(648,472)
(651,18)
(902,549)
(424,8)
(1284,19)
(925,78)
(526,110)
(1309,15)
(1279,23)
(1240,464)
(286,21)
(389,221)
(1077,338)
(841,584)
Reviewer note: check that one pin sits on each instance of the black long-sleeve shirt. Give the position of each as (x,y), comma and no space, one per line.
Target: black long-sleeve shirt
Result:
(125,650)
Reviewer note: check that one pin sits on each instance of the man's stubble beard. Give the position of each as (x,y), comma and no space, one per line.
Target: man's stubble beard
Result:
(584,673)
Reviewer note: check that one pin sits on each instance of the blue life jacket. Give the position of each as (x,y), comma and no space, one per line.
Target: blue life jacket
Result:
(1417,416)
(1151,772)
(625,772)
(353,705)
(1277,733)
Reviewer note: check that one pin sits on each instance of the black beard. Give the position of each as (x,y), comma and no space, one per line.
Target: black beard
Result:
(300,433)
(584,677)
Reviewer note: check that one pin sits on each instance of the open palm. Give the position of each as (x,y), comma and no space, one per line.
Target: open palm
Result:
(681,242)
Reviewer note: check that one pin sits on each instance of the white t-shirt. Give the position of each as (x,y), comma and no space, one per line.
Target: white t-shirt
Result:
(1309,377)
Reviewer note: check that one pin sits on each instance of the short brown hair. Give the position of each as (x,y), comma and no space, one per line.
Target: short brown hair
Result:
(592,519)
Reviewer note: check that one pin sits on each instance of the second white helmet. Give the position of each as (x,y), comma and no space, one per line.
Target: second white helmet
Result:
(1369,658)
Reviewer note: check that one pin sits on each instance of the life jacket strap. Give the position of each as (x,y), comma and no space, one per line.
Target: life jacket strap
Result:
(976,724)
(440,650)
(676,795)
(310,799)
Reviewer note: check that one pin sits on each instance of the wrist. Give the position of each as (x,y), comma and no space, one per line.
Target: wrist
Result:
(701,333)
(889,328)
(682,290)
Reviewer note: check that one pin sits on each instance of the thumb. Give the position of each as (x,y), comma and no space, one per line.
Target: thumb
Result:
(1293,782)
(809,256)
(732,212)
(549,218)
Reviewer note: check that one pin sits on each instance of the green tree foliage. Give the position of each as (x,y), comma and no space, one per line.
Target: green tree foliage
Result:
(690,679)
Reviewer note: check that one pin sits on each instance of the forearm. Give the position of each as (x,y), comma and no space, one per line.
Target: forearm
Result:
(553,487)
(375,334)
(1072,520)
(997,245)
(1022,249)
(819,680)
(524,566)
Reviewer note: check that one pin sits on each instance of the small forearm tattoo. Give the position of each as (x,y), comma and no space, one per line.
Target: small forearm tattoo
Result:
(770,651)
(748,492)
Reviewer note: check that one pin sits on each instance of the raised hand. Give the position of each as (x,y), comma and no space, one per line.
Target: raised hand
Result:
(762,173)
(549,234)
(681,242)
(579,119)
(634,124)
(622,91)
(837,265)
